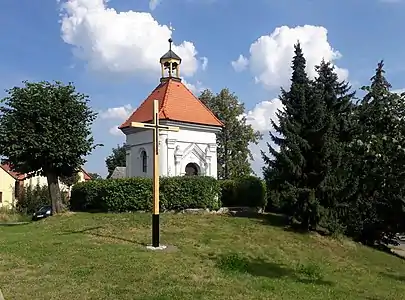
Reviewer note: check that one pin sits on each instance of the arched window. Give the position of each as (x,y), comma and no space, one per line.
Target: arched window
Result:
(144,160)
(192,169)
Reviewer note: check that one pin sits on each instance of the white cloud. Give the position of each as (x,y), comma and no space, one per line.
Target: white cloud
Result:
(120,42)
(153,4)
(271,55)
(259,117)
(196,88)
(121,112)
(240,64)
(204,63)
(115,131)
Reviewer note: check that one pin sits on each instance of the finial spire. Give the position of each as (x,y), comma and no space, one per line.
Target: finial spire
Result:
(170,43)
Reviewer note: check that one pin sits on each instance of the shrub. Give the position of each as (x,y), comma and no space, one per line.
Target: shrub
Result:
(11,216)
(133,194)
(31,198)
(247,191)
(190,192)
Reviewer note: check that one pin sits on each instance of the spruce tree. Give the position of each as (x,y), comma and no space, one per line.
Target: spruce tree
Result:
(337,98)
(293,173)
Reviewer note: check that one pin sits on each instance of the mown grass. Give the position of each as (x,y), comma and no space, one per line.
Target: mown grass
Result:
(103,256)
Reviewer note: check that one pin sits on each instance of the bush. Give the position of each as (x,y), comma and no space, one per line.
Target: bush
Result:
(134,194)
(247,191)
(11,216)
(31,198)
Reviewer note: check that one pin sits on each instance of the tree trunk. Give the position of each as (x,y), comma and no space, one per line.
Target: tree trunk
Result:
(54,192)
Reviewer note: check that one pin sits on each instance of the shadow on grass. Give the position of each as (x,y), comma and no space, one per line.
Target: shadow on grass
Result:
(14,224)
(277,220)
(90,231)
(386,249)
(266,218)
(235,263)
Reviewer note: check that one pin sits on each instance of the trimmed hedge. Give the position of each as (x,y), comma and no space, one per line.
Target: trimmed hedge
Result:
(134,194)
(247,191)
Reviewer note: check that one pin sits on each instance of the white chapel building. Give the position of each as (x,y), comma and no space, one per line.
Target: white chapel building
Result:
(190,151)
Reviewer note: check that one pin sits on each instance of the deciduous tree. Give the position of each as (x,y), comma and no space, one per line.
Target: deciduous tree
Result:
(116,159)
(70,180)
(376,208)
(45,129)
(234,139)
(95,176)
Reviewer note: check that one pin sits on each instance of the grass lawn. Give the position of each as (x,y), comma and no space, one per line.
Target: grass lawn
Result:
(103,256)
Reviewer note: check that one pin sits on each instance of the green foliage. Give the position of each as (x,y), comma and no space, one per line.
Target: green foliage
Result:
(133,194)
(246,191)
(116,159)
(311,271)
(307,176)
(377,182)
(190,192)
(70,180)
(95,176)
(228,193)
(273,200)
(294,170)
(339,166)
(31,198)
(54,116)
(232,262)
(56,135)
(8,215)
(234,139)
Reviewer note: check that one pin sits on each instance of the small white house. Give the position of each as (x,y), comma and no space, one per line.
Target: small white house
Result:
(190,151)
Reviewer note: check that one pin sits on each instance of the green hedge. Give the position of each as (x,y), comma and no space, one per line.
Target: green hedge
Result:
(133,194)
(248,191)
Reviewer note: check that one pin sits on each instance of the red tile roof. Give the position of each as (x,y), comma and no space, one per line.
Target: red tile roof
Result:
(15,175)
(176,103)
(86,175)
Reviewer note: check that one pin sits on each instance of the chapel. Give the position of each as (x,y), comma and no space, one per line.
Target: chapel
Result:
(189,151)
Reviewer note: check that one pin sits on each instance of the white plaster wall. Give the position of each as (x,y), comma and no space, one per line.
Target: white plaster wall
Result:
(7,185)
(176,150)
(43,181)
(137,142)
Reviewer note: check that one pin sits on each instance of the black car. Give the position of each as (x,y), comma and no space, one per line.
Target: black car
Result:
(43,212)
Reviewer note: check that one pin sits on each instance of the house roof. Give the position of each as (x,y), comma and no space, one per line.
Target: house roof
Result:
(176,103)
(119,172)
(170,54)
(18,176)
(85,174)
(15,175)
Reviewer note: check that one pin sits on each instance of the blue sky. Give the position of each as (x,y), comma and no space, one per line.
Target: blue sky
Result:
(117,60)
